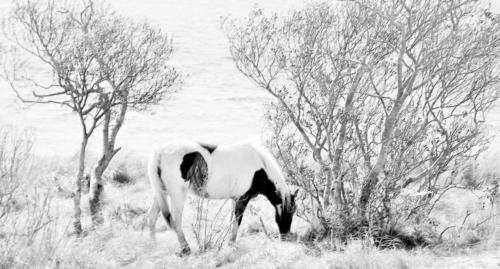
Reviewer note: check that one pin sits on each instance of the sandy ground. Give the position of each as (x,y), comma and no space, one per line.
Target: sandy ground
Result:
(488,259)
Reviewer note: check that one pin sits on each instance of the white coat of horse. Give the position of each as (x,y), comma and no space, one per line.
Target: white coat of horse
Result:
(238,171)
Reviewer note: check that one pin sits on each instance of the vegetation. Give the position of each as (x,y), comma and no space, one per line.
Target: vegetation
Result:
(35,231)
(379,120)
(101,65)
(26,222)
(378,103)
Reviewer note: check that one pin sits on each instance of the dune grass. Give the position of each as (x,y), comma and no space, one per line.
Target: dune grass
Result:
(123,241)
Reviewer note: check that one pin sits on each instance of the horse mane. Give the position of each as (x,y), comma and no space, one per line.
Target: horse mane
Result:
(272,169)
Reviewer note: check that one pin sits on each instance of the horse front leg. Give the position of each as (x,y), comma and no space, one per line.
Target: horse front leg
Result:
(239,209)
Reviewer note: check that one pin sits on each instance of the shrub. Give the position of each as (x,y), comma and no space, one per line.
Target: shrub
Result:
(121,177)
(378,104)
(15,153)
(29,230)
(211,224)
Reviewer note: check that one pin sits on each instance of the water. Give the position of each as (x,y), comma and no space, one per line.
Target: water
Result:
(216,104)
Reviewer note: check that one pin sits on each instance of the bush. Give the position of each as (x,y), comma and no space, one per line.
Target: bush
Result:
(129,169)
(15,153)
(374,116)
(29,230)
(121,177)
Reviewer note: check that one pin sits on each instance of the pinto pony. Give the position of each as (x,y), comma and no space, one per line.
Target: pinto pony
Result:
(239,172)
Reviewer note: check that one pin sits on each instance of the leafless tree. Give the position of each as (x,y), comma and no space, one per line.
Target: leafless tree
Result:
(101,65)
(374,98)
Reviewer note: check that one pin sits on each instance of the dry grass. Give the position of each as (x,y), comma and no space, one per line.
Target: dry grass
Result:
(122,242)
(111,248)
(211,224)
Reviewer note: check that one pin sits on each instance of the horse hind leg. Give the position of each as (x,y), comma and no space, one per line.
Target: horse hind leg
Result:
(178,197)
(152,217)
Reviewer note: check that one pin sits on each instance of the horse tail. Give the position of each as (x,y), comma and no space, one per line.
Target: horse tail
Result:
(157,184)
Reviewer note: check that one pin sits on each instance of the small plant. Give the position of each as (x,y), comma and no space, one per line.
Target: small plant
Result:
(29,230)
(121,176)
(212,224)
(15,152)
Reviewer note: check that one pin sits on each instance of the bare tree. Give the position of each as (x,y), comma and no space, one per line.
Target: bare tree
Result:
(101,65)
(133,60)
(443,81)
(375,98)
(314,62)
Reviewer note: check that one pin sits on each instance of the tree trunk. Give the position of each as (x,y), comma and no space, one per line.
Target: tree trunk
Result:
(339,151)
(372,178)
(77,224)
(108,152)
(97,186)
(96,191)
(404,89)
(328,187)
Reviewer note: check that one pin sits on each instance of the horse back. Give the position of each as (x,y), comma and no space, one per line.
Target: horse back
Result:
(220,172)
(232,170)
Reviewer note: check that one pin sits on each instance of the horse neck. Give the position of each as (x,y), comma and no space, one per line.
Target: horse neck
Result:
(274,173)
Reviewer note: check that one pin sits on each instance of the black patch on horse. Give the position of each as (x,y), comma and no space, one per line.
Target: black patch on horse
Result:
(165,212)
(158,171)
(261,184)
(195,170)
(211,148)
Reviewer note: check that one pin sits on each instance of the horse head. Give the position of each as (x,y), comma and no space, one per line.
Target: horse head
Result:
(285,212)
